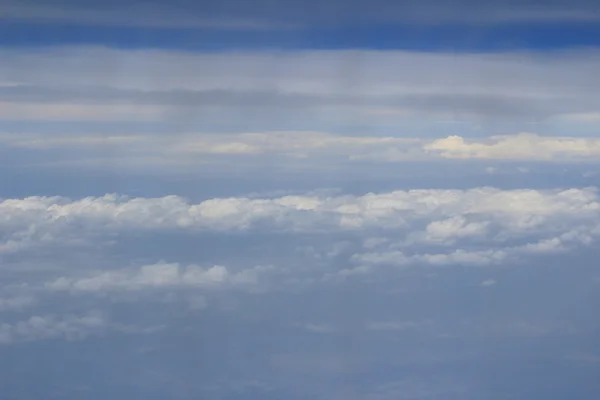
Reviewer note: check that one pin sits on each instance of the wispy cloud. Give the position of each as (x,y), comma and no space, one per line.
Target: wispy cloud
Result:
(385,85)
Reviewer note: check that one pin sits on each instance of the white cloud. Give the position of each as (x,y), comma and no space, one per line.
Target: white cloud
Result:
(158,276)
(296,144)
(488,282)
(484,225)
(524,146)
(453,228)
(303,148)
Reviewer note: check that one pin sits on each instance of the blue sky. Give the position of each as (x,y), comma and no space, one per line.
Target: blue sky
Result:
(299,199)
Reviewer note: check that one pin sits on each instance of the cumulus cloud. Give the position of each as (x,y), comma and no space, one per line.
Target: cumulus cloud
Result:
(454,227)
(482,224)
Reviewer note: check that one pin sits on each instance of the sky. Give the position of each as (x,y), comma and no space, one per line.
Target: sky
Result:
(299,199)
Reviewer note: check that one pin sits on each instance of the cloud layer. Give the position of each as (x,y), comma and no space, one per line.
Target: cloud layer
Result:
(295,150)
(474,226)
(371,86)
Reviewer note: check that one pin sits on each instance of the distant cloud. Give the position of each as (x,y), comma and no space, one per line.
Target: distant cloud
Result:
(519,147)
(66,327)
(16,303)
(298,149)
(158,276)
(237,88)
(438,227)
(52,327)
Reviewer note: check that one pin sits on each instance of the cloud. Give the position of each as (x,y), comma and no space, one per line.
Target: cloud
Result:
(488,282)
(477,226)
(17,302)
(452,228)
(159,276)
(292,143)
(80,112)
(524,146)
(52,327)
(452,211)
(302,149)
(455,257)
(261,86)
(67,327)
(295,107)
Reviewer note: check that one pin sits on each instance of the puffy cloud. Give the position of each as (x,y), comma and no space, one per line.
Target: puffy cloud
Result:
(483,224)
(453,227)
(524,146)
